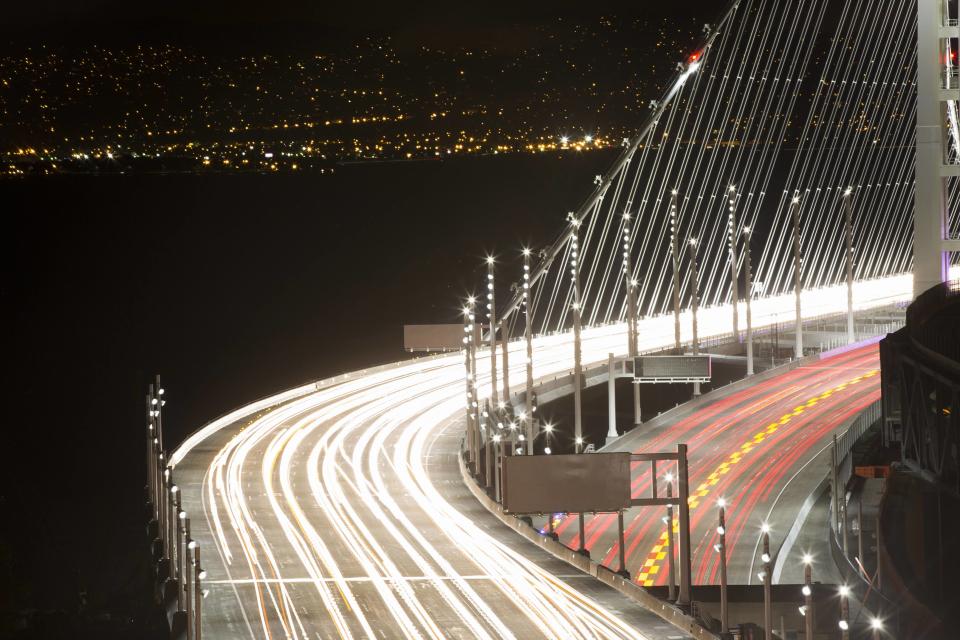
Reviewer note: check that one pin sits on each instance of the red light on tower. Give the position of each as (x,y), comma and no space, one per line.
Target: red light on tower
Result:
(694,56)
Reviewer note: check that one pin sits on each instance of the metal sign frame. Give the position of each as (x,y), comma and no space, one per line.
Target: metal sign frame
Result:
(672,379)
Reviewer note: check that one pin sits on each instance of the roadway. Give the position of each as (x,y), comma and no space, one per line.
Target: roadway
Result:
(336,510)
(341,513)
(750,448)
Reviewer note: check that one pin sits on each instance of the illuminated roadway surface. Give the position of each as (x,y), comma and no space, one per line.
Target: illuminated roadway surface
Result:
(744,448)
(336,510)
(342,514)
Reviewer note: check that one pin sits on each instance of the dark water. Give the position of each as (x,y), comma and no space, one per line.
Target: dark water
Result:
(230,287)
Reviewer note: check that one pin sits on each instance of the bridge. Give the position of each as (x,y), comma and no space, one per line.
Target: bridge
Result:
(365,505)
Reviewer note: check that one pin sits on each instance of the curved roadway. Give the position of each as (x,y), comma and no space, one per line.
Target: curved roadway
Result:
(746,448)
(337,511)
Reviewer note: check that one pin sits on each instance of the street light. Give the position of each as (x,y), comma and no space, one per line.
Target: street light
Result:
(795,216)
(722,549)
(808,596)
(844,612)
(767,596)
(876,626)
(695,303)
(671,572)
(747,235)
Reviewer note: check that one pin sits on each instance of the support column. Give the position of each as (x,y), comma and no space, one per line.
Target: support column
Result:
(795,215)
(930,260)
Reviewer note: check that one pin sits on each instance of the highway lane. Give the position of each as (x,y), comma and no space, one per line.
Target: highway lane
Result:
(322,513)
(330,519)
(743,448)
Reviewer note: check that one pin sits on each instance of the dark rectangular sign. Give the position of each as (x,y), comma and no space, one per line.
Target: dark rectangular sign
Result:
(672,368)
(433,337)
(567,483)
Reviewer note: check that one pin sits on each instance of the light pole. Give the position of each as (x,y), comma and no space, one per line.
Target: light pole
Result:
(767,595)
(671,570)
(848,241)
(188,580)
(468,379)
(844,622)
(504,343)
(807,591)
(633,324)
(795,216)
(496,466)
(747,235)
(876,627)
(577,355)
(733,233)
(675,258)
(721,548)
(612,399)
(694,303)
(181,533)
(528,336)
(198,575)
(492,321)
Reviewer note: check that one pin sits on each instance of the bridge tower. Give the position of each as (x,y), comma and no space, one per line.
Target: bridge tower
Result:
(938,83)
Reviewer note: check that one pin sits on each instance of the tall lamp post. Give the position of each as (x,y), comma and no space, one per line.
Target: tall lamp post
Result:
(492,320)
(767,595)
(469,381)
(795,217)
(528,337)
(807,591)
(747,235)
(848,258)
(733,233)
(721,548)
(633,324)
(694,303)
(844,623)
(675,259)
(577,355)
(671,570)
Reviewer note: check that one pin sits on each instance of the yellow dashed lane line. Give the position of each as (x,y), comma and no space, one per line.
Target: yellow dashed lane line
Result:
(651,566)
